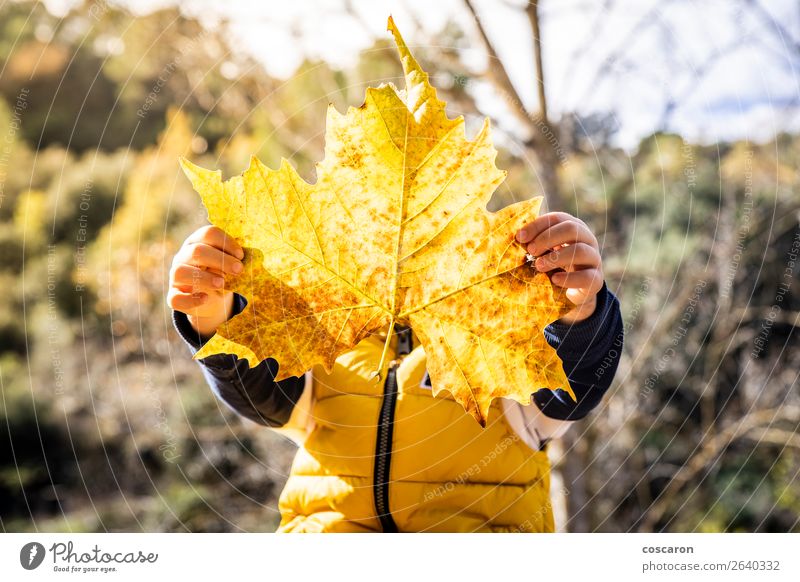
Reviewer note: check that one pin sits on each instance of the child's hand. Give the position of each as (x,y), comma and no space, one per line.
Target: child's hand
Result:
(567,250)
(196,278)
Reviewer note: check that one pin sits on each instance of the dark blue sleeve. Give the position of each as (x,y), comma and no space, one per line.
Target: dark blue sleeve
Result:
(590,352)
(251,392)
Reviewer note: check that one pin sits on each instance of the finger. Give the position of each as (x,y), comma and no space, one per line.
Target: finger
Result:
(218,238)
(589,279)
(533,229)
(194,279)
(569,258)
(209,257)
(567,232)
(185,302)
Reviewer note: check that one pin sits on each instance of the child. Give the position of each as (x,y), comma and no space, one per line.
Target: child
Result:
(387,456)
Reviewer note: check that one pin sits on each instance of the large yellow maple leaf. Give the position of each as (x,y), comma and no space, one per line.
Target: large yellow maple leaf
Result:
(395,230)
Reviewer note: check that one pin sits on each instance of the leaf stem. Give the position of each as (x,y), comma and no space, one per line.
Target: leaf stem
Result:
(377,374)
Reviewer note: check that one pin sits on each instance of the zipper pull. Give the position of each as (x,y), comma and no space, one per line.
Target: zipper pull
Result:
(404,341)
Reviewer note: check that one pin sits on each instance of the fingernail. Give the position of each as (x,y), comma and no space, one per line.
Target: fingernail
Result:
(237,267)
(239,254)
(540,263)
(522,235)
(218,281)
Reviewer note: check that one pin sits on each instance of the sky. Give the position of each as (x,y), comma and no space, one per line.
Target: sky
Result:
(730,67)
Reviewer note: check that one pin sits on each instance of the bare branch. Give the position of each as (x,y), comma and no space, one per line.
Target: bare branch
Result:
(700,71)
(596,27)
(541,139)
(650,18)
(776,436)
(708,452)
(533,16)
(783,33)
(499,75)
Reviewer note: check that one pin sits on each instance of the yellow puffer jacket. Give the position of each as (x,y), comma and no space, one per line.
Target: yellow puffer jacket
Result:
(445,473)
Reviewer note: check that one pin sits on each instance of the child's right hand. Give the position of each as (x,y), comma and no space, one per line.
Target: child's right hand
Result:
(196,284)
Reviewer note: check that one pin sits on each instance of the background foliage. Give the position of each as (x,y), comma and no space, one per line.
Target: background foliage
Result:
(106,423)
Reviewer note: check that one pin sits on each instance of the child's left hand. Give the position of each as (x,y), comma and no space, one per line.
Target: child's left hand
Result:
(569,253)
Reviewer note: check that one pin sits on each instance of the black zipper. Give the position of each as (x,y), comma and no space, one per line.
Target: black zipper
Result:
(383,447)
(383,451)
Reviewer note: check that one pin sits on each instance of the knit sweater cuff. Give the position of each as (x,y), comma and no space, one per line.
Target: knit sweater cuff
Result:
(191,336)
(588,340)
